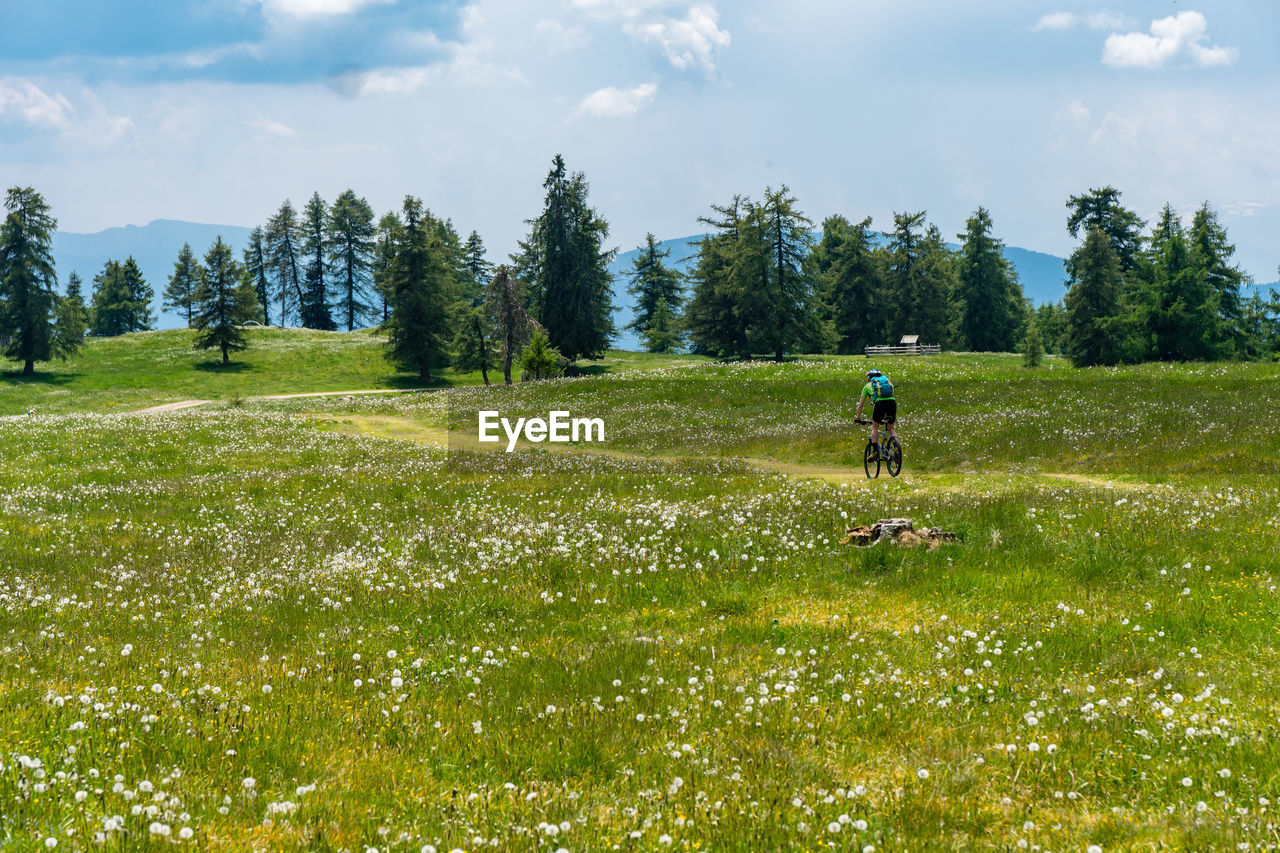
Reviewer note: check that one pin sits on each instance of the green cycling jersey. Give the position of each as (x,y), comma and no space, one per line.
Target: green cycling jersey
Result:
(870,390)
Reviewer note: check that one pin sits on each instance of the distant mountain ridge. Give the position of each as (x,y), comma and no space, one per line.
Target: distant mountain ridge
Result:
(155,246)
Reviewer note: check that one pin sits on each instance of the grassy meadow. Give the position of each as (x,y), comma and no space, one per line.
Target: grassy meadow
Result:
(333,624)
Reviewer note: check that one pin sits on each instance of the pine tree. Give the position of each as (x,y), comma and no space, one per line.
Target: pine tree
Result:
(1101,209)
(351,243)
(1032,347)
(422,288)
(1093,302)
(988,289)
(568,267)
(479,270)
(788,289)
(179,295)
(660,335)
(1181,308)
(121,300)
(473,346)
(221,303)
(1210,257)
(714,315)
(504,302)
(540,360)
(256,270)
(71,319)
(921,281)
(851,283)
(27,278)
(387,244)
(282,236)
(315,295)
(653,281)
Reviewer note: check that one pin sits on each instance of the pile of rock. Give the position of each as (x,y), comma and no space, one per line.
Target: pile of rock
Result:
(899,531)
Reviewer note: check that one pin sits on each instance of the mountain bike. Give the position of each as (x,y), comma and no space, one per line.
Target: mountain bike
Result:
(889,451)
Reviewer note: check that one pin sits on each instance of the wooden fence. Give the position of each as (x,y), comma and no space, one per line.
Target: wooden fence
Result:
(911,349)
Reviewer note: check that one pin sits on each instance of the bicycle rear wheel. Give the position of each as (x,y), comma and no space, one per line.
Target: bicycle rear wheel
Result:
(871,461)
(894,462)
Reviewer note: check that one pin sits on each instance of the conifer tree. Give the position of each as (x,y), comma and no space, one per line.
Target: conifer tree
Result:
(568,267)
(421,293)
(540,360)
(180,293)
(920,279)
(1101,209)
(27,278)
(851,282)
(351,244)
(315,296)
(1032,347)
(221,303)
(121,300)
(787,292)
(988,289)
(386,245)
(1093,302)
(473,346)
(71,319)
(256,270)
(1210,256)
(479,270)
(284,258)
(1181,309)
(504,301)
(714,315)
(653,281)
(661,335)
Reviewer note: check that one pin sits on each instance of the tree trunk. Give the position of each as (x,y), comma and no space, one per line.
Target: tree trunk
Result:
(506,370)
(484,371)
(425,373)
(226,359)
(29,367)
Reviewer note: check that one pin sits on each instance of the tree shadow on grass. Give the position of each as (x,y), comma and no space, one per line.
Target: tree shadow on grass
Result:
(219,367)
(15,377)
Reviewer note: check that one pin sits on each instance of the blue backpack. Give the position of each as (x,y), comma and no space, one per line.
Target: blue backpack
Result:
(881,388)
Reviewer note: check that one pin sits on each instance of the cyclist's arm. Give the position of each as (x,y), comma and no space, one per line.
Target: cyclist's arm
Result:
(858,416)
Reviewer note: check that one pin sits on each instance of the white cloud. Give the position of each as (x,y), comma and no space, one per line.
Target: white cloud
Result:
(316,8)
(1055,21)
(621,8)
(1182,36)
(24,99)
(273,128)
(1093,20)
(689,43)
(611,102)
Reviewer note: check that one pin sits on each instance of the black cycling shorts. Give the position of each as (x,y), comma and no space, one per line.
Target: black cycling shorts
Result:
(886,412)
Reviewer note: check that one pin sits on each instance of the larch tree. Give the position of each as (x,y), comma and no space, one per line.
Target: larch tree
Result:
(653,281)
(713,313)
(284,258)
(661,334)
(121,300)
(184,281)
(72,318)
(386,245)
(256,266)
(351,246)
(989,292)
(221,303)
(569,267)
(479,270)
(27,279)
(422,285)
(1093,302)
(504,302)
(1210,255)
(315,294)
(851,279)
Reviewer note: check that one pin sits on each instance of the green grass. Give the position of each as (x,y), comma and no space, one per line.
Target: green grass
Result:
(615,623)
(134,371)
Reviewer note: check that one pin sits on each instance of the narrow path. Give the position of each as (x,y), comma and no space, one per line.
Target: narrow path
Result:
(189,404)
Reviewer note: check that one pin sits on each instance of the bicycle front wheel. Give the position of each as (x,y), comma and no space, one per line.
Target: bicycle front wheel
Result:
(871,461)
(894,463)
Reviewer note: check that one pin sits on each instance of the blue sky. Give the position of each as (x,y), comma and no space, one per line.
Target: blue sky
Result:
(216,110)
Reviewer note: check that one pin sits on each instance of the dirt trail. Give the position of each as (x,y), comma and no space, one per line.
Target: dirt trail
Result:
(189,404)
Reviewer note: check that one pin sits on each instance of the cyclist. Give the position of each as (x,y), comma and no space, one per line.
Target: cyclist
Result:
(884,409)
